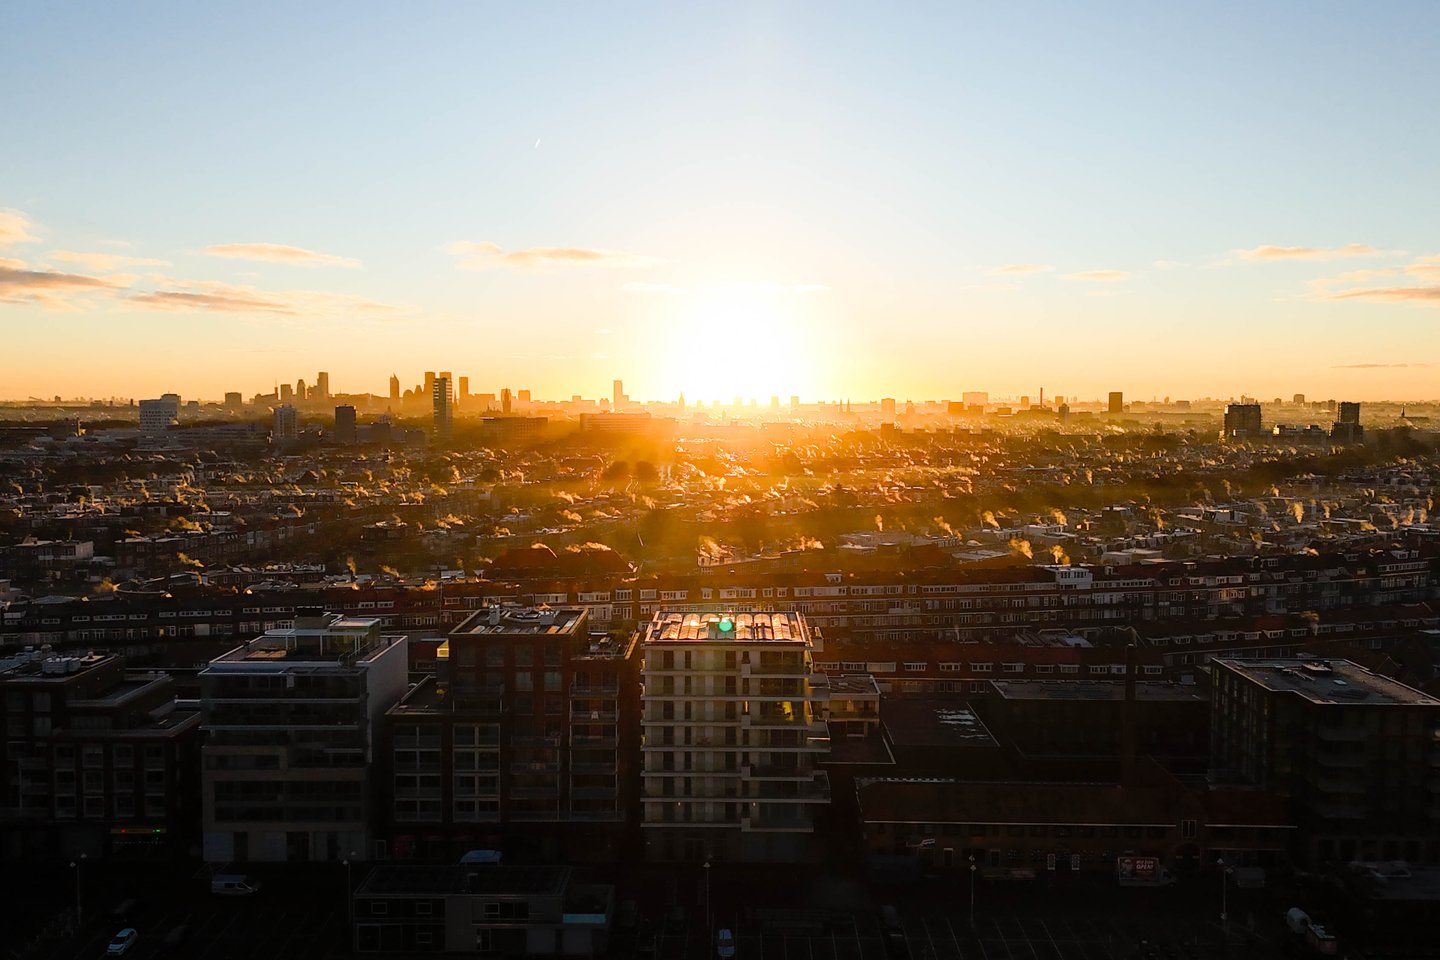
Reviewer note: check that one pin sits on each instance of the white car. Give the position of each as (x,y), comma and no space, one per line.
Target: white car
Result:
(122,942)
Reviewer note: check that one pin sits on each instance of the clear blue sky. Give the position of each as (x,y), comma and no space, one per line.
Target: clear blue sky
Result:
(1192,200)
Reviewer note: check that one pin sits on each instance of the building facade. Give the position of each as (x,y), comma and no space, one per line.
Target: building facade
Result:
(732,732)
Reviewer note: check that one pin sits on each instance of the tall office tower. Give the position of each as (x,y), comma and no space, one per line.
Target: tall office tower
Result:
(291,721)
(287,393)
(732,732)
(536,721)
(794,403)
(617,393)
(322,386)
(464,395)
(1349,412)
(1352,751)
(524,397)
(394,387)
(300,392)
(233,400)
(1347,429)
(887,408)
(1299,398)
(444,403)
(1242,421)
(1117,401)
(429,385)
(157,416)
(505,405)
(774,403)
(345,423)
(287,423)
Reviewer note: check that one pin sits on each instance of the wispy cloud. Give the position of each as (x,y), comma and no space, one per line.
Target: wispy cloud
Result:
(50,288)
(1022,268)
(1099,276)
(278,253)
(484,255)
(103,262)
(1427,268)
(1343,286)
(1429,295)
(1376,366)
(1270,252)
(14,228)
(208,296)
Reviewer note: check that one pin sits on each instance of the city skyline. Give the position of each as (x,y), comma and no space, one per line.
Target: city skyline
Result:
(813,203)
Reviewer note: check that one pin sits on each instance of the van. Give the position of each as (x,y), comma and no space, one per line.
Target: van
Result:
(234,885)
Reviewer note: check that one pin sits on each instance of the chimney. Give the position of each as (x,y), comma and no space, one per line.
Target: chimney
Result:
(1127,719)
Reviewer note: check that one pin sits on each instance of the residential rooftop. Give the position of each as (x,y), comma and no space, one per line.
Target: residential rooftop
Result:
(1328,681)
(727,627)
(1147,691)
(510,620)
(933,723)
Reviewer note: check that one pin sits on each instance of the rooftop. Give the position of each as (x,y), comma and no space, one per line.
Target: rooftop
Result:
(1327,681)
(729,627)
(508,620)
(933,723)
(1094,690)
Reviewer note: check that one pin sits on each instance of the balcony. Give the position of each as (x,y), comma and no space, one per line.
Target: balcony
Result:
(591,742)
(594,716)
(577,766)
(536,741)
(536,790)
(599,691)
(535,766)
(595,793)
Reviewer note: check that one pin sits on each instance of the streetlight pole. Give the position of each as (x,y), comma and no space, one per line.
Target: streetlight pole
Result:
(972,890)
(79,914)
(708,931)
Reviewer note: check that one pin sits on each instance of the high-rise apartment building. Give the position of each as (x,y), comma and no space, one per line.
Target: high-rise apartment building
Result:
(443,402)
(287,393)
(617,394)
(530,726)
(463,397)
(1117,402)
(1350,412)
(1354,753)
(1242,421)
(234,401)
(429,385)
(158,416)
(732,731)
(322,386)
(887,408)
(506,406)
(394,387)
(287,423)
(345,423)
(290,723)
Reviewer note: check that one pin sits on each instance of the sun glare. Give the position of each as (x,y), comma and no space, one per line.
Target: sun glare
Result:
(741,341)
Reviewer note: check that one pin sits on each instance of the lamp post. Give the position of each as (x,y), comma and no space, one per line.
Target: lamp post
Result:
(75,865)
(972,890)
(708,931)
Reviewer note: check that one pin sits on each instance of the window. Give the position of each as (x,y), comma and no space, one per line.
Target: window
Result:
(982,667)
(915,667)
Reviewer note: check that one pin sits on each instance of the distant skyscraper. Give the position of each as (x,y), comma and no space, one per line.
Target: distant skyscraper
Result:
(618,393)
(444,403)
(1117,401)
(1347,429)
(394,387)
(300,392)
(287,423)
(287,393)
(505,406)
(1299,398)
(1349,412)
(322,386)
(524,397)
(774,403)
(794,403)
(429,386)
(233,401)
(887,408)
(345,423)
(464,394)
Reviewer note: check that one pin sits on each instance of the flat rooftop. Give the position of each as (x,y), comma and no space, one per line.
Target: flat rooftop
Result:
(1328,681)
(519,620)
(933,723)
(391,880)
(332,648)
(727,627)
(852,685)
(1145,692)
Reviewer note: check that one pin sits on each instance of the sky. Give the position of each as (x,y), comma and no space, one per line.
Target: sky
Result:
(754,199)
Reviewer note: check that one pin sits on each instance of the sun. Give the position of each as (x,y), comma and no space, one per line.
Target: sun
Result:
(750,341)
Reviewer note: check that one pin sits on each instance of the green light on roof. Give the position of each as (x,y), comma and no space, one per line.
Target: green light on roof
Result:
(726,624)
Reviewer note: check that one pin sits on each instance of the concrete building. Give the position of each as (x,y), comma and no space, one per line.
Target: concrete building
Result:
(394,388)
(443,403)
(322,387)
(1242,421)
(345,423)
(529,729)
(287,423)
(234,401)
(491,910)
(1117,402)
(95,759)
(1354,753)
(291,722)
(158,416)
(732,734)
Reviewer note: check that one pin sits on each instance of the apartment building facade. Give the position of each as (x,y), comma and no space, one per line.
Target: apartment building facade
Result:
(733,730)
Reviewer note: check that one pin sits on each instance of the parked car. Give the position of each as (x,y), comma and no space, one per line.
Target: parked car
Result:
(121,943)
(725,944)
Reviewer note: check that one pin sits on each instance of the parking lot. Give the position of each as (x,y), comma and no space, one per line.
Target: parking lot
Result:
(812,935)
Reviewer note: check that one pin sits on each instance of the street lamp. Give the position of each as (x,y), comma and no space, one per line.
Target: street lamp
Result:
(972,889)
(75,865)
(707,898)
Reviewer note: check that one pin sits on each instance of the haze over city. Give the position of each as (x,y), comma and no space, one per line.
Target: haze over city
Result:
(771,199)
